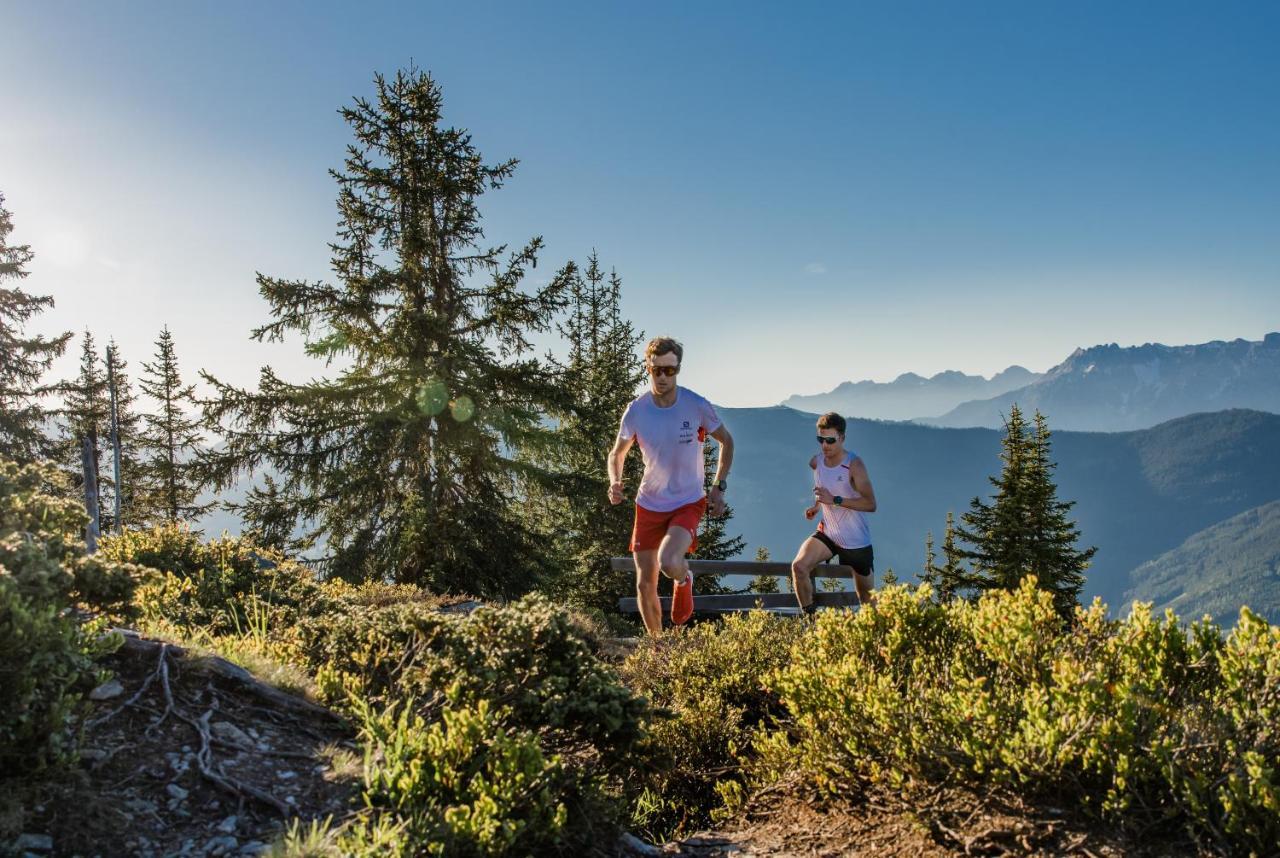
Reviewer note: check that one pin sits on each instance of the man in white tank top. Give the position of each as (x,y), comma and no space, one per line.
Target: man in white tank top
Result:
(842,493)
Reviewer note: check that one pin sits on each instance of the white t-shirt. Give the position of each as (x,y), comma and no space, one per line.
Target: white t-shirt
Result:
(670,440)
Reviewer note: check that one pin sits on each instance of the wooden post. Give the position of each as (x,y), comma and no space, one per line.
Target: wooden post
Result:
(115,434)
(89,463)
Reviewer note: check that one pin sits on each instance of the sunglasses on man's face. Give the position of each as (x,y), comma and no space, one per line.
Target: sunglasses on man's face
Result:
(827,439)
(668,371)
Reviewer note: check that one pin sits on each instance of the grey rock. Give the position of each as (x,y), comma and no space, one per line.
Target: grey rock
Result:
(228,825)
(107,690)
(254,847)
(231,734)
(176,792)
(221,845)
(635,846)
(286,776)
(33,843)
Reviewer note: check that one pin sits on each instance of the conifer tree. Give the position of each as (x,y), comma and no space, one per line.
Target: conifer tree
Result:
(1052,535)
(954,578)
(23,359)
(598,379)
(995,529)
(172,439)
(950,579)
(405,459)
(1024,529)
(763,583)
(930,573)
(268,518)
(85,413)
(129,425)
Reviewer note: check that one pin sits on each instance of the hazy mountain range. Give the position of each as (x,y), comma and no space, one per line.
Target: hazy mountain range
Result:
(1110,389)
(1139,494)
(1104,388)
(910,396)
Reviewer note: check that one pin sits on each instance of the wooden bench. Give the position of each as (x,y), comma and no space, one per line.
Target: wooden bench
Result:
(732,603)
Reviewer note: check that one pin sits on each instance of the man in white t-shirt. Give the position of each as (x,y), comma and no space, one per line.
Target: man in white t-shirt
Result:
(842,492)
(671,423)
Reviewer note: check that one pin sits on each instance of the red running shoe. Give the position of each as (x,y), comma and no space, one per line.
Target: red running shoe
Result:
(682,601)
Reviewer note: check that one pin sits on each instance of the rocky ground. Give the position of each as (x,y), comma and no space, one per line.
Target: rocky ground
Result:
(193,757)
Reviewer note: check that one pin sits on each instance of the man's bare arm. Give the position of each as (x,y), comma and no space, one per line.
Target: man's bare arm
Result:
(617,456)
(723,463)
(862,485)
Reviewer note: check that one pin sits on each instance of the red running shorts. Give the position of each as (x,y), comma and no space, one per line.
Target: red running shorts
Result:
(651,527)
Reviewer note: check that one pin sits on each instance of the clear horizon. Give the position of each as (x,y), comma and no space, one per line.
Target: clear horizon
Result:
(803,196)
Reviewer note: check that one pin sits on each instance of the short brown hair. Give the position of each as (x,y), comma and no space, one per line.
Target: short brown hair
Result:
(659,346)
(832,420)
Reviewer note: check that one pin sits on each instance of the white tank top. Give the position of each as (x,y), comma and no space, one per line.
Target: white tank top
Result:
(847,528)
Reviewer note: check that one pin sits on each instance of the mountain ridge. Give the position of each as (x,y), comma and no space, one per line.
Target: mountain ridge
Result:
(910,395)
(1112,388)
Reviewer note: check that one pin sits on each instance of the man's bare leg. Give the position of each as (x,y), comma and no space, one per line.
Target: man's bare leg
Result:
(672,553)
(811,553)
(862,583)
(647,590)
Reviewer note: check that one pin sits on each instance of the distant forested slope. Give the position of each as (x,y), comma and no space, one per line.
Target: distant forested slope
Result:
(1215,571)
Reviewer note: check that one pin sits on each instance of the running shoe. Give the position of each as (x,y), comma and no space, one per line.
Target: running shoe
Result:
(682,601)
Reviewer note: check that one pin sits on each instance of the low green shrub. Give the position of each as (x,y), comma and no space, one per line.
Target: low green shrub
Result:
(47,658)
(470,784)
(527,657)
(1143,721)
(708,679)
(48,663)
(494,733)
(214,586)
(1228,774)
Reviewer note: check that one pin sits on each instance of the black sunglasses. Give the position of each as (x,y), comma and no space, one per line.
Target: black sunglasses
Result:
(827,439)
(663,370)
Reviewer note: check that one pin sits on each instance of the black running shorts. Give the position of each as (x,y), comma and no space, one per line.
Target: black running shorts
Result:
(861,559)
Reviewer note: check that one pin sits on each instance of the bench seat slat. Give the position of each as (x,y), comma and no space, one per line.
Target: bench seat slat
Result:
(747,601)
(744,567)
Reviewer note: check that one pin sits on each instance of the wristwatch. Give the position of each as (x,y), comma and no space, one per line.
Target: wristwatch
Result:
(839,500)
(721,485)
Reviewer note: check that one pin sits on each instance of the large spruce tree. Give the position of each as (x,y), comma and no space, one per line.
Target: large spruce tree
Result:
(1024,529)
(172,439)
(404,459)
(24,359)
(599,376)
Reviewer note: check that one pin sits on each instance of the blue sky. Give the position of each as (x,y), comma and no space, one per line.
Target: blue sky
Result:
(804,194)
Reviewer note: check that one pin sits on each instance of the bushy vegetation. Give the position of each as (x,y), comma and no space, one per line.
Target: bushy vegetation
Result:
(219,587)
(46,655)
(1141,721)
(708,683)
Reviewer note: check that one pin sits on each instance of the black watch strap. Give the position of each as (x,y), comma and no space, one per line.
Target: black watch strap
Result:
(721,485)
